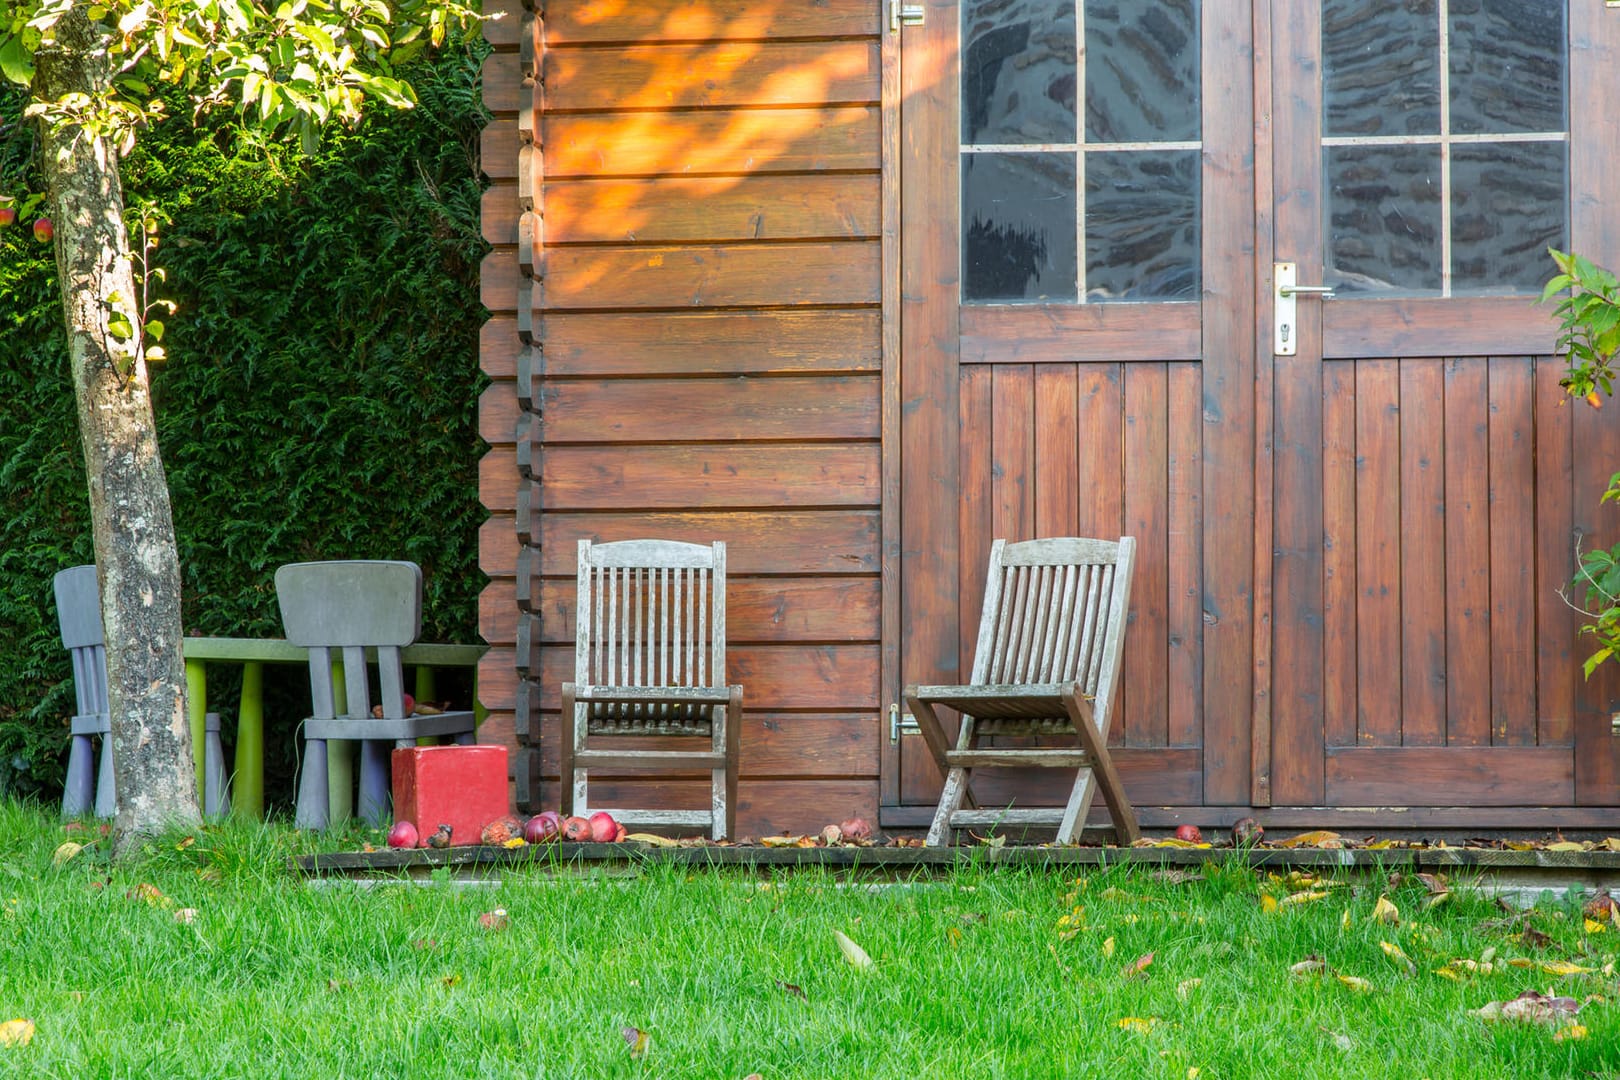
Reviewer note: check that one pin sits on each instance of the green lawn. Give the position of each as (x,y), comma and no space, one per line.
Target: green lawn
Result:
(976,974)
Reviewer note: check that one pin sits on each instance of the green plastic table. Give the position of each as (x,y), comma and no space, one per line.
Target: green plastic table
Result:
(247,783)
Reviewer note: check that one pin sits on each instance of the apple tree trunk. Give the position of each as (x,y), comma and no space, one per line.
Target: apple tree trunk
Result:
(133,529)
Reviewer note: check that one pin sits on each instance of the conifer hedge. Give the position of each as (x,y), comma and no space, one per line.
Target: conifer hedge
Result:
(319,400)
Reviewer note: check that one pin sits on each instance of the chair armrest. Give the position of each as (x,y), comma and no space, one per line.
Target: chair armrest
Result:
(982,693)
(636,695)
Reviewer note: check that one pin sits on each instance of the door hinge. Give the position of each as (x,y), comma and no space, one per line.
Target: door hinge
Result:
(902,14)
(901,724)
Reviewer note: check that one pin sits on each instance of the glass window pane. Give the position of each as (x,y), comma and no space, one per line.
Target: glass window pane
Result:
(1383,216)
(1507,65)
(1018,227)
(1018,71)
(1142,239)
(1142,71)
(1380,67)
(1508,208)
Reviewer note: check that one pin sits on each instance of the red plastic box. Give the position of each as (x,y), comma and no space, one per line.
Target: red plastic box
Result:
(460,786)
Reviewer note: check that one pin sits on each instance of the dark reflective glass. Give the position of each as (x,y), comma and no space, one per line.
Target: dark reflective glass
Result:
(1142,240)
(1507,65)
(1508,207)
(1142,71)
(1018,71)
(1380,67)
(1383,216)
(1018,226)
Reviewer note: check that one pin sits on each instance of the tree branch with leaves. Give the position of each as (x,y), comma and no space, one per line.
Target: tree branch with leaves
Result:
(97,73)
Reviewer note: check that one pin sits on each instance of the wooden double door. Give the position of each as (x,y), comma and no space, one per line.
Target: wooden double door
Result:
(1353,521)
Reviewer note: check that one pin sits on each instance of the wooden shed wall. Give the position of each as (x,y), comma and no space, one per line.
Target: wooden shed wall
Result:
(685,290)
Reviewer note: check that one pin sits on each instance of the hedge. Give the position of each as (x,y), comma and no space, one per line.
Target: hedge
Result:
(319,400)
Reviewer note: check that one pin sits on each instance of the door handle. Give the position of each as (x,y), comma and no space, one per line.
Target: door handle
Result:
(1285,329)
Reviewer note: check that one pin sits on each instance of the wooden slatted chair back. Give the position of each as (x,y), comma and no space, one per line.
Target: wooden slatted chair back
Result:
(78,611)
(651,613)
(1054,612)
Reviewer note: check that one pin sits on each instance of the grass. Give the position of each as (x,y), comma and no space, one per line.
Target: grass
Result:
(974,974)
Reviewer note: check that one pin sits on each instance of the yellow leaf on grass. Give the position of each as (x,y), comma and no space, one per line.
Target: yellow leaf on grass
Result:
(1611,843)
(1303,898)
(1520,962)
(1185,988)
(1519,845)
(1448,972)
(1570,1033)
(1356,983)
(1568,845)
(1313,966)
(1344,920)
(65,851)
(955,934)
(1137,967)
(1398,955)
(852,952)
(1386,912)
(16,1033)
(1138,1023)
(1318,838)
(1564,967)
(1595,927)
(638,1041)
(1268,903)
(1108,947)
(651,838)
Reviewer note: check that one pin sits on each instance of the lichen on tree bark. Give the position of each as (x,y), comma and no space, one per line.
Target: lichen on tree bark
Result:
(129,495)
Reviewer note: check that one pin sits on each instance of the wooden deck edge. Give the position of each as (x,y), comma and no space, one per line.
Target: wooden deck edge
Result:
(566,855)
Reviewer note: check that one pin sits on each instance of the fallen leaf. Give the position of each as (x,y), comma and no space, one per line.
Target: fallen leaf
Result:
(1386,912)
(451,980)
(1302,898)
(1176,877)
(149,893)
(1564,967)
(1185,988)
(1141,1024)
(1311,965)
(780,841)
(1570,1033)
(791,990)
(186,915)
(654,839)
(65,851)
(1356,983)
(1611,843)
(1532,1006)
(1344,920)
(1320,838)
(1567,845)
(852,952)
(1268,903)
(955,934)
(1398,955)
(1594,927)
(185,843)
(1535,938)
(1108,946)
(16,1033)
(638,1040)
(1137,967)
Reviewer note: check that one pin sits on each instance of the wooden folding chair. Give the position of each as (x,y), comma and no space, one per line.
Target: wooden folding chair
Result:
(1046,664)
(650,660)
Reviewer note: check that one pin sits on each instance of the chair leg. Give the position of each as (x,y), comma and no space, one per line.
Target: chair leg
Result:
(216,799)
(723,823)
(78,792)
(313,811)
(950,801)
(375,804)
(1102,773)
(106,785)
(565,775)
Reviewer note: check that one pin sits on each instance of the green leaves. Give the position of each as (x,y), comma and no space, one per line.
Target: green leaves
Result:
(1589,325)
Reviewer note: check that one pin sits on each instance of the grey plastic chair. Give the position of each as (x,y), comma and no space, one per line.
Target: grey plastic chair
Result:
(78,611)
(338,611)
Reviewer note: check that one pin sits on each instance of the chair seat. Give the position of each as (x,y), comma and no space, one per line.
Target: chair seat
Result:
(371,727)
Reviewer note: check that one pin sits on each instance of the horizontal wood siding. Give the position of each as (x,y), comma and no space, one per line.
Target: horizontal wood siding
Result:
(698,244)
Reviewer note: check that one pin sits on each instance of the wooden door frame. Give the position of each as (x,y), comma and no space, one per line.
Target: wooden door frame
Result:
(921,398)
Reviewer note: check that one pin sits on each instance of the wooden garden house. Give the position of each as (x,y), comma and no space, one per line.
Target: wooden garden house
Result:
(858,287)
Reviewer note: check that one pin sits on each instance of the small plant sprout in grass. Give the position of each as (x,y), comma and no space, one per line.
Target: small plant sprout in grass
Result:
(665,970)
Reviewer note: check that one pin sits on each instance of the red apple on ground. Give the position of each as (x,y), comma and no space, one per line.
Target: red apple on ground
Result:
(604,830)
(856,829)
(543,827)
(1189,833)
(44,230)
(403,835)
(576,828)
(7,216)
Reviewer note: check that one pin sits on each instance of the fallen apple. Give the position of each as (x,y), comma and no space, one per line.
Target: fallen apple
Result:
(543,827)
(1247,831)
(403,835)
(44,230)
(604,830)
(440,837)
(856,828)
(1189,833)
(576,829)
(501,830)
(8,216)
